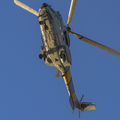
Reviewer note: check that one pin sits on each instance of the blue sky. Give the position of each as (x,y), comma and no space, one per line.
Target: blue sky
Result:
(29,89)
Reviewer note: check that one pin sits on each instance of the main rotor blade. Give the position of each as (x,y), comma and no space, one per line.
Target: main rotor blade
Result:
(26,7)
(71,11)
(57,73)
(96,44)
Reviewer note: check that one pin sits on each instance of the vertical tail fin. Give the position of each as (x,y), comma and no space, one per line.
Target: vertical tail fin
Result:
(81,106)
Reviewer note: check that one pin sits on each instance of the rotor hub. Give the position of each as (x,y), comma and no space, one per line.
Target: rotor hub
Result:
(68,29)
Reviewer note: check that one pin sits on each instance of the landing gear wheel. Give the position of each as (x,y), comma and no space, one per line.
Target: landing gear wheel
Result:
(40,56)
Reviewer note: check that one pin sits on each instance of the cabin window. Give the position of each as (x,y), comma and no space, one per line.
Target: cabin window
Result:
(42,40)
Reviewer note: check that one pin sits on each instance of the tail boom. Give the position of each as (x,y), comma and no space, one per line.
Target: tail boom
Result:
(70,88)
(74,102)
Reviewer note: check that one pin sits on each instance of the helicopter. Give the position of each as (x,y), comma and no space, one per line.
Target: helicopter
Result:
(55,49)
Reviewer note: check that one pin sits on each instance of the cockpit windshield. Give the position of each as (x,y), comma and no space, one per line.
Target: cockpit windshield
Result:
(52,9)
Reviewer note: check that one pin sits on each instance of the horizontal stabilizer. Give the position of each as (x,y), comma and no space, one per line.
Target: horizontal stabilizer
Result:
(88,106)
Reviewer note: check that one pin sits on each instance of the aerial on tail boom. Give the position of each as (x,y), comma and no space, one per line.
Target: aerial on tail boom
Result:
(55,49)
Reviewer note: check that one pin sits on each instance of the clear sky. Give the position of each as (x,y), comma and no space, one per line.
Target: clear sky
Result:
(29,89)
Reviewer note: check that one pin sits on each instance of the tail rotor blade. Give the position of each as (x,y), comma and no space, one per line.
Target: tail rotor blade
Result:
(71,11)
(80,104)
(96,44)
(79,113)
(81,98)
(26,7)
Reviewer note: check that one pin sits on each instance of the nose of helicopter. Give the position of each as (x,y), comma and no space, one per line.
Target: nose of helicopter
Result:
(44,5)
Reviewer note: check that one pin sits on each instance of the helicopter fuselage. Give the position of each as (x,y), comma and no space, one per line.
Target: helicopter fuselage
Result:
(55,38)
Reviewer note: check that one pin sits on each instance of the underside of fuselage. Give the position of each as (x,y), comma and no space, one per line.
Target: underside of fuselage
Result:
(54,36)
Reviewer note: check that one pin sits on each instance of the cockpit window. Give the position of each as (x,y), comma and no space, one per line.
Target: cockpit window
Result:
(52,10)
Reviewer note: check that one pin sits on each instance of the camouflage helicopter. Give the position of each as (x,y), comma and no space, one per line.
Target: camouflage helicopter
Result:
(55,50)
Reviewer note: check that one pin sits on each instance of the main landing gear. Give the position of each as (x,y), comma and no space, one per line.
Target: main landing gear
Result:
(40,56)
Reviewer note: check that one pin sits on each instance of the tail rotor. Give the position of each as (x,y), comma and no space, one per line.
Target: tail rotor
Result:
(80,104)
(81,98)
